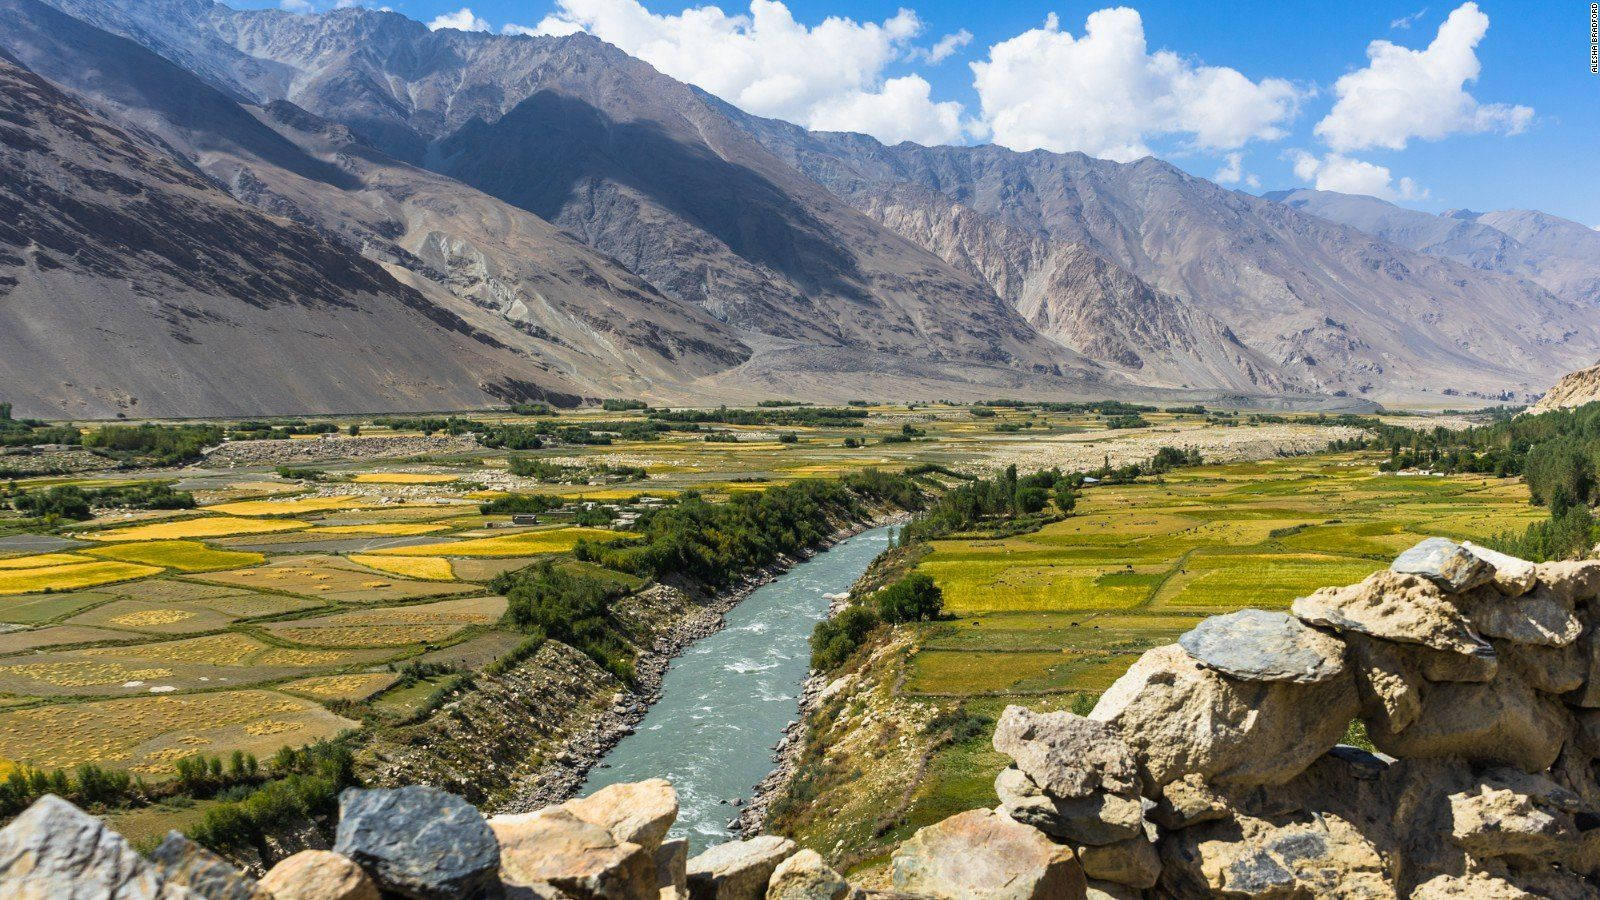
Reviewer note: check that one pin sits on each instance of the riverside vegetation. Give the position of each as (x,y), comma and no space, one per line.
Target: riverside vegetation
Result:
(344,584)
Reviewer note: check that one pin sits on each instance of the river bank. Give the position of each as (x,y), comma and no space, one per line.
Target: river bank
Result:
(563,776)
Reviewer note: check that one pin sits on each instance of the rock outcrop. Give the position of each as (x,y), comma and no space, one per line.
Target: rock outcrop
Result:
(1470,670)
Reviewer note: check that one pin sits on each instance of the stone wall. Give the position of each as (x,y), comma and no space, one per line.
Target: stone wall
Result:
(1213,767)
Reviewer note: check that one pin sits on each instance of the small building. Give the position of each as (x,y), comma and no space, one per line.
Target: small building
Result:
(524,519)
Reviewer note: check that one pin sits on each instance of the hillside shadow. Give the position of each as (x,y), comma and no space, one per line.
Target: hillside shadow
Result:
(549,148)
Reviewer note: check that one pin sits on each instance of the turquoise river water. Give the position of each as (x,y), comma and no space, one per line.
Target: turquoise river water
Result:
(725,702)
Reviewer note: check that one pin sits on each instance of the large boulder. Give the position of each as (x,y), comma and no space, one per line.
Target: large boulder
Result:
(1099,818)
(1552,670)
(183,862)
(1133,862)
(672,869)
(804,876)
(737,870)
(1500,721)
(1541,617)
(1067,755)
(1387,681)
(1394,606)
(1587,695)
(639,813)
(417,841)
(985,855)
(318,875)
(1182,718)
(1188,801)
(56,851)
(1326,855)
(1573,581)
(1444,562)
(1527,820)
(554,847)
(1257,645)
(1513,577)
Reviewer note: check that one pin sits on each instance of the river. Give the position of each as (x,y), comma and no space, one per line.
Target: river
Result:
(725,701)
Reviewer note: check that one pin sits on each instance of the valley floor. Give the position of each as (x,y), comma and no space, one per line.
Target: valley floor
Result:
(295,606)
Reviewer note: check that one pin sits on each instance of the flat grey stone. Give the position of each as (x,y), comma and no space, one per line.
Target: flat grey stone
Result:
(1257,645)
(57,850)
(418,841)
(183,862)
(1446,563)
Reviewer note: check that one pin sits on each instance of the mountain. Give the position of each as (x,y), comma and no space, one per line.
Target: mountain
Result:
(642,168)
(1574,389)
(575,314)
(131,284)
(1327,307)
(623,233)
(1558,254)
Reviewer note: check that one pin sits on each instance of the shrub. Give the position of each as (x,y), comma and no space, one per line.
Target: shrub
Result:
(914,598)
(835,639)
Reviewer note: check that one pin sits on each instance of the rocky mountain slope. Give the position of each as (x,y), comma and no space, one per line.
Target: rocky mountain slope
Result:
(1332,308)
(1558,254)
(1574,389)
(643,168)
(573,312)
(129,283)
(625,233)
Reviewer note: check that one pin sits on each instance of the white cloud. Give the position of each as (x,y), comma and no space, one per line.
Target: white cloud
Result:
(903,109)
(830,75)
(944,49)
(1105,94)
(1404,94)
(1232,172)
(1333,172)
(1405,22)
(295,6)
(461,20)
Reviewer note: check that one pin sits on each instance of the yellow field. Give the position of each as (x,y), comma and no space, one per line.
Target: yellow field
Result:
(231,649)
(392,529)
(403,478)
(70,576)
(147,734)
(431,568)
(41,560)
(394,625)
(291,506)
(332,578)
(200,527)
(186,556)
(552,540)
(355,687)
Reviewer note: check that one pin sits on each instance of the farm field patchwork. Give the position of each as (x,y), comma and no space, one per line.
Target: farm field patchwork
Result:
(332,578)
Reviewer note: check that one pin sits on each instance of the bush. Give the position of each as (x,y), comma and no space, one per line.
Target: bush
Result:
(519,503)
(835,639)
(161,445)
(914,598)
(1031,499)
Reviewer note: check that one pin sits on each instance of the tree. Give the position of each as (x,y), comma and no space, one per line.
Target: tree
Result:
(1066,497)
(914,598)
(1031,499)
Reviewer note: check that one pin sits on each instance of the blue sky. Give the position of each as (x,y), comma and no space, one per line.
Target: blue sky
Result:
(1259,95)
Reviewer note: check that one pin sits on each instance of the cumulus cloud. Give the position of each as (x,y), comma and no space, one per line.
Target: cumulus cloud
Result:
(1334,172)
(1105,94)
(1404,93)
(830,75)
(461,20)
(1232,172)
(943,49)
